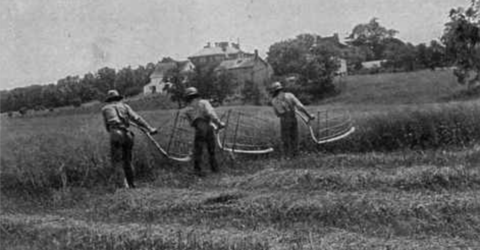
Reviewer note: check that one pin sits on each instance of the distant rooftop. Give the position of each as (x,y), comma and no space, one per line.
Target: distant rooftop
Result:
(237,63)
(220,48)
(334,39)
(163,67)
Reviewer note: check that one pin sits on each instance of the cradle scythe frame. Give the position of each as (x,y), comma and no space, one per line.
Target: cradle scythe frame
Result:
(235,146)
(343,133)
(162,151)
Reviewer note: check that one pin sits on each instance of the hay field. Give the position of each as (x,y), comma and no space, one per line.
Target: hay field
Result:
(409,178)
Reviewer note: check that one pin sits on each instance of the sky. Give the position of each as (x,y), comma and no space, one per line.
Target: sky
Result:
(42,41)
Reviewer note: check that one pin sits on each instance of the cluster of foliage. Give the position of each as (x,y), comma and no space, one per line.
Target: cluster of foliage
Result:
(75,90)
(211,84)
(371,38)
(252,93)
(462,40)
(311,57)
(312,61)
(371,41)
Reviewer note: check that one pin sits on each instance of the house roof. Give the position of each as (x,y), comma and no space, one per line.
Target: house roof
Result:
(334,40)
(237,63)
(209,51)
(163,67)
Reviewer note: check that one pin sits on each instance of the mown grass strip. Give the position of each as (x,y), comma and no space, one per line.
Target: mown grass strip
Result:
(369,212)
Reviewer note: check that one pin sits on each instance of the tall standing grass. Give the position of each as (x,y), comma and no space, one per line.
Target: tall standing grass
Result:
(425,127)
(63,151)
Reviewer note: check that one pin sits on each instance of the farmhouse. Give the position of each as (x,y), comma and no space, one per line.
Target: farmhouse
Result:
(158,79)
(373,64)
(219,52)
(253,69)
(342,69)
(244,66)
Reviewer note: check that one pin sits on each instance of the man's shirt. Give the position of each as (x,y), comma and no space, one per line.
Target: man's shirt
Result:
(286,102)
(200,109)
(120,114)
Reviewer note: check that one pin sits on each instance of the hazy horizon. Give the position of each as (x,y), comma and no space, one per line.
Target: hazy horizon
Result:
(45,40)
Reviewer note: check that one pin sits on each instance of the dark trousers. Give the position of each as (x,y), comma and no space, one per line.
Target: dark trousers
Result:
(289,133)
(204,136)
(121,146)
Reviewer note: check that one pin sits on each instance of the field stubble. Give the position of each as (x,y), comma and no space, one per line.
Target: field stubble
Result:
(408,179)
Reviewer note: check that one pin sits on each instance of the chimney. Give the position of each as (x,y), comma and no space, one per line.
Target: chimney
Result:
(208,45)
(223,45)
(256,54)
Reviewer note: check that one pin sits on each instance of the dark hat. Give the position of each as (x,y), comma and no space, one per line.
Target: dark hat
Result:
(113,95)
(192,91)
(276,86)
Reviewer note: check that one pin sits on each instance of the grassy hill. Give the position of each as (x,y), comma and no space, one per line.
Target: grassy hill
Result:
(397,88)
(407,179)
(365,92)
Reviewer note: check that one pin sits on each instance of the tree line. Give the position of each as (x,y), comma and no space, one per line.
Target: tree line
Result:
(75,90)
(309,59)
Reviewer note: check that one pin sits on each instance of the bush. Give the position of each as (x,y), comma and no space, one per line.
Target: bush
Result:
(23,111)
(76,102)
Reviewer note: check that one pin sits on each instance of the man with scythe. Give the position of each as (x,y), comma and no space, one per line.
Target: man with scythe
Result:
(285,105)
(117,117)
(202,118)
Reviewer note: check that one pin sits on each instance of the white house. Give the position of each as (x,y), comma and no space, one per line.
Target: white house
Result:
(373,64)
(342,69)
(155,85)
(158,82)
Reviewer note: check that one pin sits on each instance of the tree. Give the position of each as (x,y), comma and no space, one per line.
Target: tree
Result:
(88,91)
(422,55)
(437,57)
(462,40)
(251,93)
(371,36)
(399,56)
(313,61)
(124,79)
(287,56)
(211,84)
(76,102)
(105,79)
(223,86)
(318,73)
(176,88)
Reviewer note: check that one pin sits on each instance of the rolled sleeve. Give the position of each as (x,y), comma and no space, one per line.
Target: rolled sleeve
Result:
(137,118)
(210,112)
(293,99)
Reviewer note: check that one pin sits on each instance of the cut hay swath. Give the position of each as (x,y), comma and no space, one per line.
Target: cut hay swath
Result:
(243,134)
(173,139)
(329,125)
